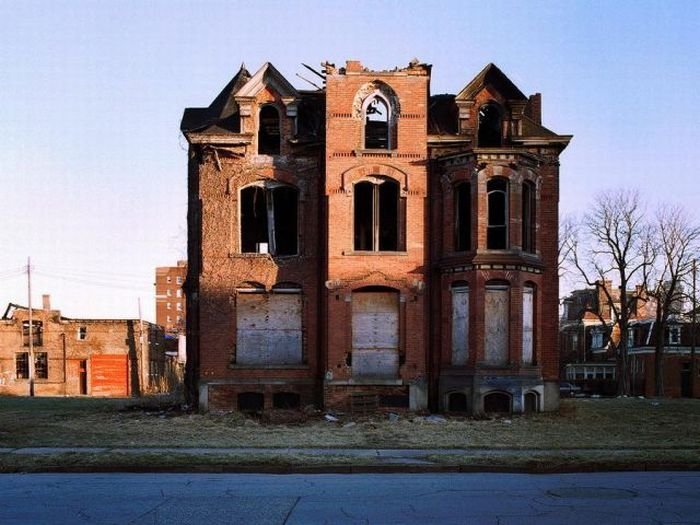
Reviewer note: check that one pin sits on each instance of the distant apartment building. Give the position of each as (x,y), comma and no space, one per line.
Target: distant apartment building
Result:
(170,298)
(71,357)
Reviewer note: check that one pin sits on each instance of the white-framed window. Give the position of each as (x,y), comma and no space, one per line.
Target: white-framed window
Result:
(674,335)
(178,293)
(178,280)
(179,307)
(82,333)
(596,339)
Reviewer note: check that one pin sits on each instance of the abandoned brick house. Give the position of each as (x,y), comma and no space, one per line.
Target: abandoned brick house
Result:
(368,243)
(94,357)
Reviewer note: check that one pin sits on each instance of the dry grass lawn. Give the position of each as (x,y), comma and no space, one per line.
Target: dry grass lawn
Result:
(612,424)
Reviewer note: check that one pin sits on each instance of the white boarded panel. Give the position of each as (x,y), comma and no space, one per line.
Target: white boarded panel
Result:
(375,334)
(460,326)
(269,329)
(496,321)
(375,363)
(528,325)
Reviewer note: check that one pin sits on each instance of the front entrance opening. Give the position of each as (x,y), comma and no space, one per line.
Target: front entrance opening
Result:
(497,403)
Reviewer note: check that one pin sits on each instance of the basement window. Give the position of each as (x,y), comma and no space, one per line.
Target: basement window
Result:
(269,131)
(497,234)
(528,222)
(489,126)
(463,217)
(376,209)
(376,123)
(269,219)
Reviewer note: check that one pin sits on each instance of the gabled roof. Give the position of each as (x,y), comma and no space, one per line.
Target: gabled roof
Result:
(268,75)
(491,76)
(222,111)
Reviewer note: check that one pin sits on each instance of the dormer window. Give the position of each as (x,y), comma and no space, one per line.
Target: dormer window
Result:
(269,131)
(489,126)
(376,119)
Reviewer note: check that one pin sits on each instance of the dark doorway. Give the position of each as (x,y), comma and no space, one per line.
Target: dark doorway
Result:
(82,375)
(457,402)
(251,402)
(497,403)
(530,403)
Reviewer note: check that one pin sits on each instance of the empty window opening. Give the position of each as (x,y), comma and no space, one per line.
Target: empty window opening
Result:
(497,234)
(463,217)
(497,403)
(528,325)
(460,324)
(489,126)
(376,209)
(22,365)
(269,217)
(377,124)
(251,402)
(530,403)
(82,333)
(269,131)
(497,306)
(37,333)
(457,402)
(286,400)
(41,365)
(529,222)
(394,401)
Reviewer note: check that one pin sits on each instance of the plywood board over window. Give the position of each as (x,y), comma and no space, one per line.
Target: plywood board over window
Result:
(269,329)
(496,319)
(460,325)
(375,335)
(528,325)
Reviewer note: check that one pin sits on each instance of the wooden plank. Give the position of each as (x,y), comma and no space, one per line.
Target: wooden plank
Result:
(375,334)
(109,375)
(496,319)
(528,325)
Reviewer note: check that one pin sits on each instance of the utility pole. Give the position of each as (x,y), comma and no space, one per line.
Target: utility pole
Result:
(693,321)
(142,355)
(30,330)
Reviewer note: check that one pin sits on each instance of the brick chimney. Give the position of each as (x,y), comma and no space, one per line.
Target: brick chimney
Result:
(46,301)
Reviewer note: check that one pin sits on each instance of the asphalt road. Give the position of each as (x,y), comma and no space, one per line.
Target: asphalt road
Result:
(596,498)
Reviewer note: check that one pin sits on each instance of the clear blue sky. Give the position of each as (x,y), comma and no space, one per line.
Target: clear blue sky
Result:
(93,167)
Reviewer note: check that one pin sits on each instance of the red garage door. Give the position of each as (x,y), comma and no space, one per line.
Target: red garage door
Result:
(109,375)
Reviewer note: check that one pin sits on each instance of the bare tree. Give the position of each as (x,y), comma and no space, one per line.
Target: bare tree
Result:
(678,242)
(567,232)
(615,244)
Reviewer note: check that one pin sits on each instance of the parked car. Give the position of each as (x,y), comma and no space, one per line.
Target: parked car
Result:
(569,390)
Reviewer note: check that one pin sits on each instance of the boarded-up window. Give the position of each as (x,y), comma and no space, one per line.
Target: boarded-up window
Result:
(109,375)
(375,334)
(460,325)
(528,324)
(496,319)
(269,329)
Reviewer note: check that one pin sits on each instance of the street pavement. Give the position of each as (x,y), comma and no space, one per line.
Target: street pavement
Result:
(452,498)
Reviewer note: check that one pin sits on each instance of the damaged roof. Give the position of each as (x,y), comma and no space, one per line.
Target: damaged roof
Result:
(491,76)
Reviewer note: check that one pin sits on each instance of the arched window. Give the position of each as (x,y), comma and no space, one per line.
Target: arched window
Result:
(376,120)
(497,402)
(497,230)
(529,216)
(460,323)
(489,126)
(269,131)
(463,217)
(528,357)
(497,323)
(376,207)
(269,219)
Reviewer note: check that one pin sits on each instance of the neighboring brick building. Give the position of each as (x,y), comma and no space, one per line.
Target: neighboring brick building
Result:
(170,298)
(95,357)
(370,244)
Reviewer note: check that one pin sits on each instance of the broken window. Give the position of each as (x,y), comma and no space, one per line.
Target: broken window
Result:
(528,325)
(377,215)
(82,333)
(269,219)
(269,329)
(377,123)
(497,321)
(489,126)
(269,131)
(251,402)
(528,219)
(497,234)
(460,324)
(41,365)
(463,217)
(37,333)
(22,365)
